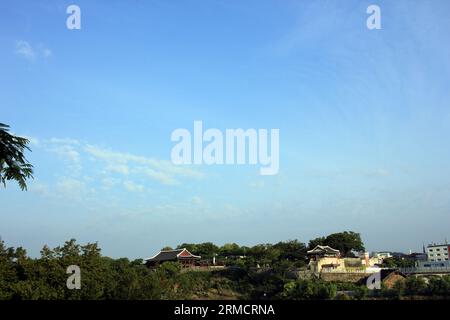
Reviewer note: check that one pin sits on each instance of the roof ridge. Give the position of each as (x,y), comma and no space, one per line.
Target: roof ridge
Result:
(172,250)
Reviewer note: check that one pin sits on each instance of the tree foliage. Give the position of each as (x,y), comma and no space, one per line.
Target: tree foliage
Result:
(398,262)
(13,164)
(309,290)
(346,242)
(45,277)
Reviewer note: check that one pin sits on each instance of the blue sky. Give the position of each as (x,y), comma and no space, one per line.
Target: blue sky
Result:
(364,119)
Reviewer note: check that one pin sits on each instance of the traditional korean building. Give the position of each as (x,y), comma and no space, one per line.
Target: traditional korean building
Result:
(323,251)
(183,256)
(325,258)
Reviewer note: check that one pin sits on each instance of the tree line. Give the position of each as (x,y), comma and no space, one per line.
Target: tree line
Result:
(45,277)
(23,277)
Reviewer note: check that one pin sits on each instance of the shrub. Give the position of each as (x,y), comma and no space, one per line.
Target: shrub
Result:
(309,290)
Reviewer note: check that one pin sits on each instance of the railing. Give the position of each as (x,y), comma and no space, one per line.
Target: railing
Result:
(430,270)
(410,270)
(344,271)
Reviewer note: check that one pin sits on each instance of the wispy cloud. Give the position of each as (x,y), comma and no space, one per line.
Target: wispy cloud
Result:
(24,49)
(108,182)
(72,187)
(46,52)
(27,51)
(33,141)
(114,167)
(368,173)
(380,172)
(66,149)
(67,152)
(257,184)
(162,171)
(118,168)
(133,187)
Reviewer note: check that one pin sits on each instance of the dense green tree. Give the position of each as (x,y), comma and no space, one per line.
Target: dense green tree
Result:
(309,290)
(345,242)
(439,286)
(398,262)
(292,250)
(415,286)
(8,274)
(320,241)
(206,249)
(13,164)
(361,292)
(22,277)
(399,288)
(231,249)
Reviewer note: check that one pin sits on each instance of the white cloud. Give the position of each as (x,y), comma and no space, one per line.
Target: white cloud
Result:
(39,188)
(257,184)
(64,141)
(26,50)
(66,149)
(67,152)
(46,52)
(118,168)
(160,176)
(86,167)
(379,172)
(108,183)
(382,172)
(71,187)
(133,187)
(196,200)
(161,171)
(33,141)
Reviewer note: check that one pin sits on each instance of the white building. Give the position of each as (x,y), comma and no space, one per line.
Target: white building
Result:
(438,252)
(382,255)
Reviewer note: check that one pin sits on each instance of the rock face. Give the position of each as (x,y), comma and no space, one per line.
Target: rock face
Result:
(392,278)
(332,276)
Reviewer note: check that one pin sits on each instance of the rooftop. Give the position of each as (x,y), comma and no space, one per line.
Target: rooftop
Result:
(166,255)
(438,245)
(323,249)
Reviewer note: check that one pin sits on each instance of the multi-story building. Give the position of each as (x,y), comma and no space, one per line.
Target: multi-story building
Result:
(438,252)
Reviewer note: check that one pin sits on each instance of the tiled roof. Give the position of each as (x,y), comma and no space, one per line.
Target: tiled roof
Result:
(321,249)
(167,255)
